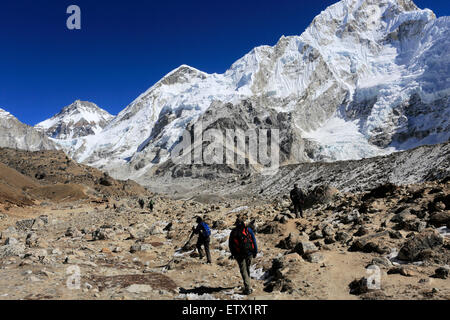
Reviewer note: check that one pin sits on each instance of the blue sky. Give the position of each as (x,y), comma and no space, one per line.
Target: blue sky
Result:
(124,47)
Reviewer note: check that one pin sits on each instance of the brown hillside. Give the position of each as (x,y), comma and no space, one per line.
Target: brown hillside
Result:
(56,168)
(14,186)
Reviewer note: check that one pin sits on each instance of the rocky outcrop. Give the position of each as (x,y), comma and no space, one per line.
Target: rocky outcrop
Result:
(17,135)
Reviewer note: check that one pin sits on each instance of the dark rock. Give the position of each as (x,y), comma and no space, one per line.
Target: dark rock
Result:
(316,235)
(360,286)
(328,231)
(442,272)
(362,231)
(342,236)
(278,280)
(320,195)
(440,219)
(270,228)
(288,243)
(329,240)
(380,192)
(395,234)
(365,244)
(411,249)
(169,227)
(219,225)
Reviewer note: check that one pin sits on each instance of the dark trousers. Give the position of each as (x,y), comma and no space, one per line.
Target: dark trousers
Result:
(244,268)
(203,242)
(297,208)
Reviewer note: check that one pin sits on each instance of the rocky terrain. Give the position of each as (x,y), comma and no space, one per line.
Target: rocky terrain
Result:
(426,163)
(361,101)
(36,177)
(111,247)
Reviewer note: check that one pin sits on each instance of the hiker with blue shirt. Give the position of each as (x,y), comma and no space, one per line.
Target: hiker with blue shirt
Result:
(204,234)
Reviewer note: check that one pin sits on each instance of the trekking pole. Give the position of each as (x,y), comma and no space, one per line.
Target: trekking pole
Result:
(173,259)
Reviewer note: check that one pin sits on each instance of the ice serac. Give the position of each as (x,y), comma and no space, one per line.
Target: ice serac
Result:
(366,78)
(81,118)
(17,135)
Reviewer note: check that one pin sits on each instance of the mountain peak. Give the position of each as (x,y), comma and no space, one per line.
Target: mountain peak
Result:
(182,74)
(81,118)
(4,113)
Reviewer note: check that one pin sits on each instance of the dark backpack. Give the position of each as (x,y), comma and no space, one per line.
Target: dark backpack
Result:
(206,232)
(243,242)
(298,195)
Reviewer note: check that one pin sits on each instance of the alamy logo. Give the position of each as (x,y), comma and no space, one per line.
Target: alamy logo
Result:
(74,280)
(74,20)
(232,147)
(374,277)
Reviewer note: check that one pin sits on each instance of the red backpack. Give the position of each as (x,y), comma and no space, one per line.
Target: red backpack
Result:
(243,242)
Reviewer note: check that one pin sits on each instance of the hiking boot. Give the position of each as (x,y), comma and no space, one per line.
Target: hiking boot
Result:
(247,291)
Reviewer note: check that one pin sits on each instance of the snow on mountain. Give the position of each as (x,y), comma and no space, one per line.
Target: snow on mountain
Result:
(17,135)
(79,119)
(5,114)
(367,77)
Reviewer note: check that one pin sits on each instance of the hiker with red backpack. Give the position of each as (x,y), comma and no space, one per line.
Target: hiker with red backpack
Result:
(243,248)
(204,233)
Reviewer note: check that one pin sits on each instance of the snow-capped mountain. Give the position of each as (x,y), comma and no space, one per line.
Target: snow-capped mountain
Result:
(366,78)
(80,119)
(17,135)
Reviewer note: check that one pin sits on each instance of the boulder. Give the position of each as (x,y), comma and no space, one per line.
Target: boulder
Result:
(25,224)
(270,228)
(288,243)
(305,247)
(320,195)
(442,272)
(360,286)
(342,236)
(11,232)
(316,235)
(139,231)
(32,240)
(156,230)
(413,247)
(328,231)
(11,250)
(403,270)
(362,231)
(73,232)
(103,234)
(11,241)
(440,219)
(315,257)
(381,262)
(380,192)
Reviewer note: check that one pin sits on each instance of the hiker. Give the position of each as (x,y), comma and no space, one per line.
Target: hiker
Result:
(141,203)
(204,233)
(151,204)
(298,199)
(243,248)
